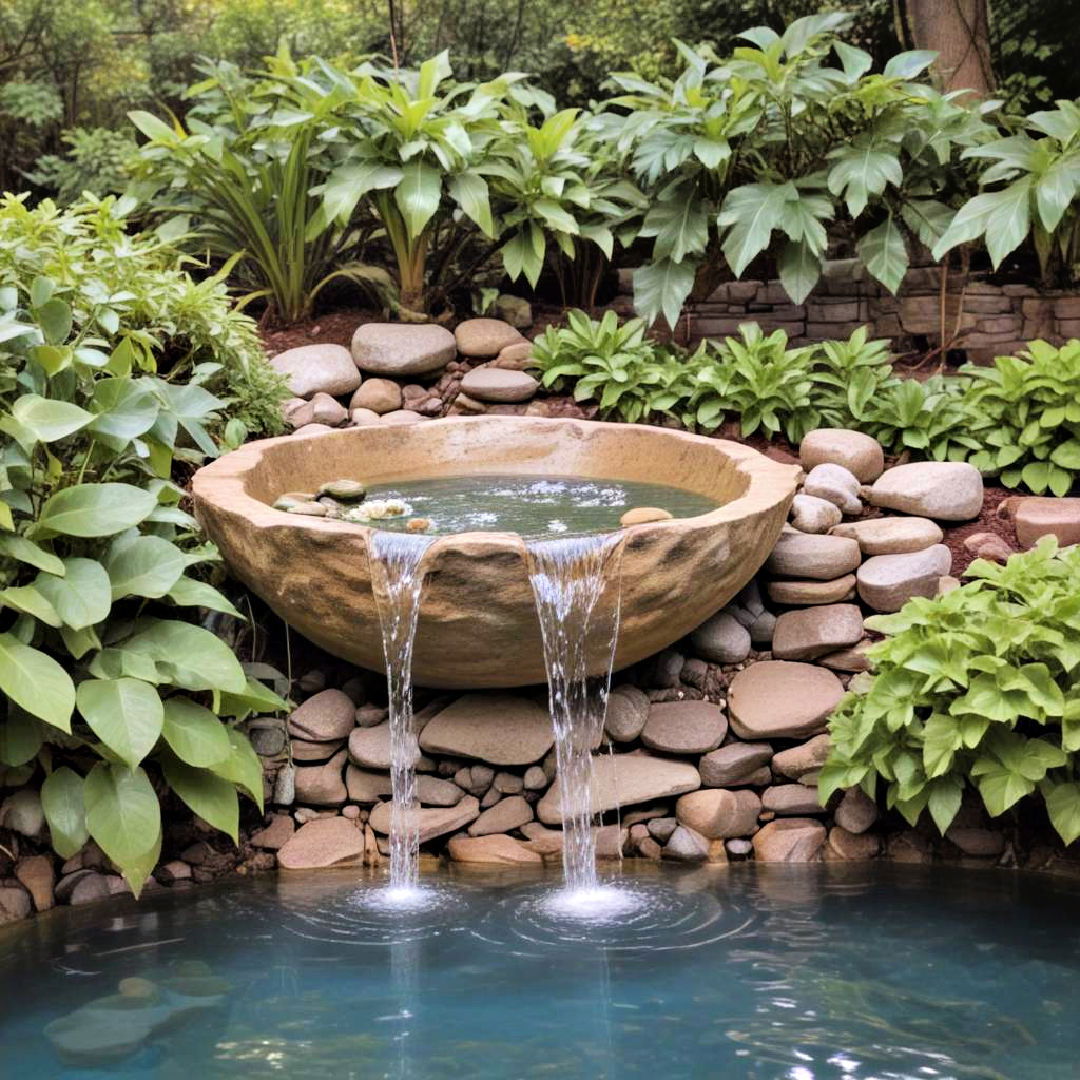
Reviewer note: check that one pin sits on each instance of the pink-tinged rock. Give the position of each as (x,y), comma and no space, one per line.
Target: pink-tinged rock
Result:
(497,848)
(782,699)
(1037,517)
(329,841)
(276,834)
(789,840)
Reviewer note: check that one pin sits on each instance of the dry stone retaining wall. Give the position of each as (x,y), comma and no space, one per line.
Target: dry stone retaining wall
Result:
(988,320)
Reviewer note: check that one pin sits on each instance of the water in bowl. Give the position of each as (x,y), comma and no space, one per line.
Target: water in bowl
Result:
(827,972)
(529,505)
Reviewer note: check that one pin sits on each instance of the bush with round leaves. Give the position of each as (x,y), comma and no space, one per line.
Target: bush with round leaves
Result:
(977,688)
(110,688)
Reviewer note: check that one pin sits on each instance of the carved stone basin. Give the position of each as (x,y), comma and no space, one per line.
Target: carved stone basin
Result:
(478,624)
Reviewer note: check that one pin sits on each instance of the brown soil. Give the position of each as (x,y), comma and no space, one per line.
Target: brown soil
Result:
(333,329)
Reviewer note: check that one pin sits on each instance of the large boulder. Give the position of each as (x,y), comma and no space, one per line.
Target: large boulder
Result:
(782,699)
(942,490)
(500,729)
(311,369)
(622,780)
(402,348)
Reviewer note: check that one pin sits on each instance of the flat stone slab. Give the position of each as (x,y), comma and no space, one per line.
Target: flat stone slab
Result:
(790,840)
(325,717)
(310,369)
(499,729)
(625,780)
(370,747)
(808,593)
(734,763)
(432,821)
(499,385)
(402,348)
(685,727)
(891,535)
(717,813)
(507,814)
(815,631)
(942,490)
(496,848)
(330,841)
(782,699)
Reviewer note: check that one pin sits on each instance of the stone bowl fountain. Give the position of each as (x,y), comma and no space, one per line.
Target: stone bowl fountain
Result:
(478,623)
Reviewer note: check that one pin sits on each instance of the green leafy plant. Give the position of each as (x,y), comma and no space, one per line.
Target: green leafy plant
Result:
(977,688)
(239,181)
(132,290)
(626,373)
(97,160)
(108,685)
(1034,183)
(771,149)
(930,419)
(1024,417)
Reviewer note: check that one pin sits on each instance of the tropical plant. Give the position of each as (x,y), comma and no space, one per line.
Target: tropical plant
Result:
(931,419)
(774,141)
(132,291)
(977,688)
(1035,189)
(1024,417)
(626,373)
(109,687)
(238,181)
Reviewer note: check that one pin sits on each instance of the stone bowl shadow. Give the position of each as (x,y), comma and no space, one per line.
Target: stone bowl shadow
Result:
(478,625)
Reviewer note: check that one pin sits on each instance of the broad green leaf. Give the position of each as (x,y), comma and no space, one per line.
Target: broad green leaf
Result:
(470,192)
(49,420)
(196,735)
(679,225)
(30,601)
(20,738)
(909,65)
(122,812)
(750,213)
(884,253)
(36,682)
(18,547)
(82,597)
(125,714)
(242,766)
(65,811)
(943,803)
(418,195)
(187,592)
(661,288)
(799,269)
(1063,806)
(124,408)
(148,566)
(862,171)
(55,319)
(95,509)
(119,663)
(194,658)
(1002,216)
(212,797)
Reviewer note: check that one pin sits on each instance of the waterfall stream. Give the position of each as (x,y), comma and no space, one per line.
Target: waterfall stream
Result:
(399,580)
(576,584)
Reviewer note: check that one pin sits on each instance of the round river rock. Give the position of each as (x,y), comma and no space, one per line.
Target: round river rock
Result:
(782,699)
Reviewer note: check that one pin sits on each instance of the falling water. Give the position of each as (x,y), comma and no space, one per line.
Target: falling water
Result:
(576,585)
(398,580)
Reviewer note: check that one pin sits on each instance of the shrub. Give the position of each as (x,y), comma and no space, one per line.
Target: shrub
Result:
(131,292)
(1024,416)
(771,148)
(108,685)
(98,161)
(979,688)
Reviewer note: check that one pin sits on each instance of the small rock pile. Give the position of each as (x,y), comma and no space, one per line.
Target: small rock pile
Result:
(402,373)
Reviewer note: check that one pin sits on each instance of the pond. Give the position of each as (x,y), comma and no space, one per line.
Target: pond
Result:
(743,973)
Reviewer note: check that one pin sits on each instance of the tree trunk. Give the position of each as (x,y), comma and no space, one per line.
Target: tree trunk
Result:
(959,32)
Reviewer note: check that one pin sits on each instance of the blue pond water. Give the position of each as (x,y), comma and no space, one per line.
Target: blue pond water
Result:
(756,973)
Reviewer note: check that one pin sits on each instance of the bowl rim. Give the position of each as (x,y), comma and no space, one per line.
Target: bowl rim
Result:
(221,483)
